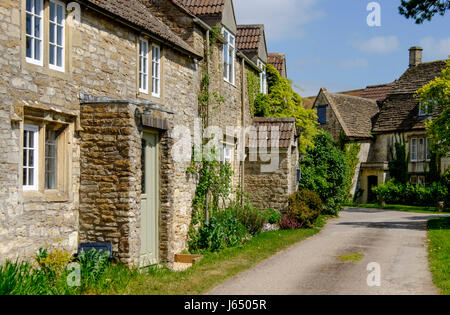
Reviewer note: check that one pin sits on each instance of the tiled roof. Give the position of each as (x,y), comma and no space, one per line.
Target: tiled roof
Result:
(377,92)
(248,37)
(136,12)
(400,110)
(204,7)
(287,131)
(354,113)
(278,60)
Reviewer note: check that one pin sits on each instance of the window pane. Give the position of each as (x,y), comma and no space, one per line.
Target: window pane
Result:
(52,55)
(29,5)
(37,27)
(52,12)
(30,177)
(37,49)
(59,56)
(421,149)
(60,36)
(414,149)
(50,159)
(52,33)
(29,24)
(25,176)
(29,47)
(37,7)
(60,14)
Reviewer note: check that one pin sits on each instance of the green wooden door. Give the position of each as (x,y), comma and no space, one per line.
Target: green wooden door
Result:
(150,201)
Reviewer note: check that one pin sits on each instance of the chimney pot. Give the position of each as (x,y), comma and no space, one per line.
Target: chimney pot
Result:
(415,56)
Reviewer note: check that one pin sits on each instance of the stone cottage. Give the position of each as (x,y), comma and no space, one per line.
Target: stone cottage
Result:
(376,118)
(91,101)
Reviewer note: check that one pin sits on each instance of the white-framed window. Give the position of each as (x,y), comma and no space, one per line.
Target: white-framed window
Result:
(229,52)
(262,77)
(427,110)
(417,180)
(143,66)
(420,150)
(57,20)
(30,157)
(34,31)
(156,70)
(227,154)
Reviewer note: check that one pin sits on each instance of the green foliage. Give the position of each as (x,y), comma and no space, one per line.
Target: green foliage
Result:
(222,231)
(398,166)
(436,97)
(273,217)
(250,216)
(328,171)
(283,101)
(253,91)
(214,186)
(412,195)
(305,206)
(423,10)
(93,265)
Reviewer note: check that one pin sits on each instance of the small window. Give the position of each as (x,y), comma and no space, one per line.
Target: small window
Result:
(143,66)
(156,71)
(56,35)
(322,114)
(413,152)
(51,146)
(30,157)
(427,110)
(34,31)
(229,57)
(227,154)
(262,77)
(414,180)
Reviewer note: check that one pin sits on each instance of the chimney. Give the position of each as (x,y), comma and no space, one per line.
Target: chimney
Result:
(415,56)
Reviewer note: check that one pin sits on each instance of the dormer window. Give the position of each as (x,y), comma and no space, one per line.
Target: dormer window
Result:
(427,108)
(229,52)
(322,114)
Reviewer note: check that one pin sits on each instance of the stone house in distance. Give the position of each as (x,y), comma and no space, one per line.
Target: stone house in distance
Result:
(90,99)
(378,116)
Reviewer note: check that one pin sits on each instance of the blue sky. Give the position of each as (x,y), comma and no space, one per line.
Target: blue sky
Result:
(329,44)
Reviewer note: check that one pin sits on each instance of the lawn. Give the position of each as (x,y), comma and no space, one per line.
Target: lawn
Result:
(215,267)
(413,209)
(439,252)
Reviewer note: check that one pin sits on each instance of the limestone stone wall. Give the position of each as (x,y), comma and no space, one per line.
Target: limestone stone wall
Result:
(270,190)
(101,60)
(332,126)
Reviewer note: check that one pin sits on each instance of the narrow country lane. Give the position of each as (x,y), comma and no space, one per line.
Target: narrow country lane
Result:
(397,241)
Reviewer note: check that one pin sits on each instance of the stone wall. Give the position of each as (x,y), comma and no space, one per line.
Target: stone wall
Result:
(271,190)
(333,125)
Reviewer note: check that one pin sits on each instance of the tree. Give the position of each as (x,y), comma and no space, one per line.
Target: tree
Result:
(435,97)
(422,10)
(283,101)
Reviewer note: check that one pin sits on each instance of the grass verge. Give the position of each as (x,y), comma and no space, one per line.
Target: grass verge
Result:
(353,258)
(403,208)
(439,252)
(215,267)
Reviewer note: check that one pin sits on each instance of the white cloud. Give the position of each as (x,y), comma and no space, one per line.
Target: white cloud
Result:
(435,49)
(282,18)
(354,63)
(378,45)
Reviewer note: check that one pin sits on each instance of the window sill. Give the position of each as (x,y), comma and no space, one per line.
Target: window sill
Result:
(232,84)
(45,196)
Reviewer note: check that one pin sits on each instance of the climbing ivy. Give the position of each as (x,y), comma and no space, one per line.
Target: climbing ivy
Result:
(398,166)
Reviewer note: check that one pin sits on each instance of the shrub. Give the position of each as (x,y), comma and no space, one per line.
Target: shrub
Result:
(222,231)
(94,264)
(305,206)
(328,171)
(250,216)
(289,223)
(273,217)
(412,195)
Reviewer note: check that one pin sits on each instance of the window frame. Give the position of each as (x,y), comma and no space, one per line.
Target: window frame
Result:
(229,56)
(415,154)
(35,130)
(156,64)
(54,157)
(144,88)
(63,36)
(227,153)
(32,60)
(262,77)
